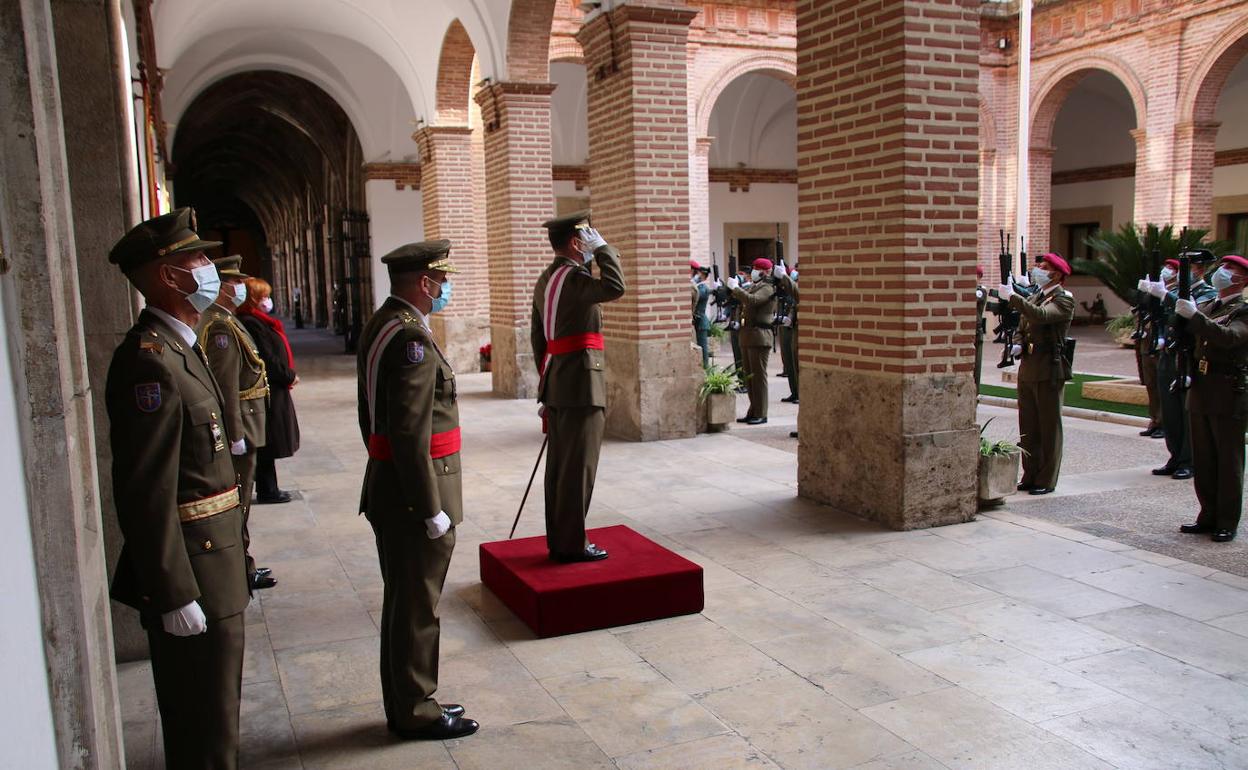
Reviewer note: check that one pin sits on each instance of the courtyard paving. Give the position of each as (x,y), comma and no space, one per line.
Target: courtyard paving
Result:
(1050,633)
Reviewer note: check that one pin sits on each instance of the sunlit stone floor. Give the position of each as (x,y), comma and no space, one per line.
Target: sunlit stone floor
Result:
(827,642)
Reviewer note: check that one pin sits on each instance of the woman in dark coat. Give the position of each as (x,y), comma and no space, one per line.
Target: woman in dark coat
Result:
(283,426)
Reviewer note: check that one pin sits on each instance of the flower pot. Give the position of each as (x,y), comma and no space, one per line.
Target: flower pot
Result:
(1123,337)
(721,409)
(998,476)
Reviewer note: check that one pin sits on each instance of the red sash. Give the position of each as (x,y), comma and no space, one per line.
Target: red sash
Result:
(573,343)
(440,445)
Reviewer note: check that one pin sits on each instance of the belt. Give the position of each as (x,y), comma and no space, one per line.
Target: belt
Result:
(575,342)
(208,506)
(440,445)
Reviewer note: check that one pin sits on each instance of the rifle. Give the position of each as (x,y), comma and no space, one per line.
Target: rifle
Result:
(1180,341)
(1007,317)
(784,300)
(1156,312)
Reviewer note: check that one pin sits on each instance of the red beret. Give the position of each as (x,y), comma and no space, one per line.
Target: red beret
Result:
(1236,259)
(979,271)
(1171,263)
(693,264)
(762,263)
(1056,262)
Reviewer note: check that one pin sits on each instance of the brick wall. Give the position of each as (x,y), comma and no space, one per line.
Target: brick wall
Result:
(450,211)
(454,76)
(404,175)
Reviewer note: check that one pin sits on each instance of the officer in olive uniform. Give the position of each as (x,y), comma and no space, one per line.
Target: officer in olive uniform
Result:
(699,293)
(758,313)
(174,486)
(412,492)
(1218,400)
(787,283)
(1042,375)
(566,333)
(239,371)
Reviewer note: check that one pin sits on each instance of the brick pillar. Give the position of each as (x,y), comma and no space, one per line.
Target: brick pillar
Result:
(1154,144)
(519,198)
(887,176)
(449,212)
(1194,145)
(1041,218)
(700,201)
(639,163)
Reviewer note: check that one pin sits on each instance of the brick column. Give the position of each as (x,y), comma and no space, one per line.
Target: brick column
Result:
(700,201)
(519,198)
(888,176)
(447,199)
(1040,180)
(1194,146)
(639,163)
(1154,138)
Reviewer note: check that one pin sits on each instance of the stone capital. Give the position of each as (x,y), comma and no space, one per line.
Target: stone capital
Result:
(703,145)
(485,96)
(646,11)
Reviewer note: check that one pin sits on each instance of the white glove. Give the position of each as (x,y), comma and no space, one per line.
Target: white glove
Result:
(731,283)
(1161,342)
(437,526)
(979,294)
(186,621)
(1185,308)
(1016,351)
(1023,280)
(593,241)
(1156,289)
(1005,291)
(786,321)
(716,284)
(239,447)
(1142,285)
(779,272)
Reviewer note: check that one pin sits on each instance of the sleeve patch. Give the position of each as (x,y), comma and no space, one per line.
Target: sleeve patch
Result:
(221,341)
(415,352)
(147,396)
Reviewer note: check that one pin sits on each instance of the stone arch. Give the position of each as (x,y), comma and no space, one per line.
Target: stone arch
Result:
(455,64)
(1198,100)
(1050,95)
(782,67)
(528,40)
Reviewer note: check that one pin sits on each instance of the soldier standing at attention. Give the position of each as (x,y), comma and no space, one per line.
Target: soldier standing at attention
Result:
(758,313)
(412,492)
(700,292)
(181,564)
(566,333)
(1218,400)
(239,371)
(787,281)
(1042,375)
(981,303)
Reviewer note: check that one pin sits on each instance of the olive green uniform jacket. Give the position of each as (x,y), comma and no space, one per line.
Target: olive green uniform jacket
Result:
(1042,331)
(758,313)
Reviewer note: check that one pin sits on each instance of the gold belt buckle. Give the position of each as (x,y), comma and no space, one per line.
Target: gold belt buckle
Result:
(1031,348)
(1203,366)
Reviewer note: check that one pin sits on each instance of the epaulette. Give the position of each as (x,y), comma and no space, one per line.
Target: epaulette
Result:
(149,342)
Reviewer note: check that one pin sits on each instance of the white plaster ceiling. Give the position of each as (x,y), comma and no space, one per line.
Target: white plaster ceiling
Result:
(754,123)
(1094,125)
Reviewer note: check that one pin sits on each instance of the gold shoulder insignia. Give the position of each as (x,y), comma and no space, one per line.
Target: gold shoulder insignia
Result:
(152,347)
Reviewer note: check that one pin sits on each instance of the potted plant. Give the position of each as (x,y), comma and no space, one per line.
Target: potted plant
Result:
(998,468)
(717,335)
(1121,329)
(718,392)
(1124,255)
(484,351)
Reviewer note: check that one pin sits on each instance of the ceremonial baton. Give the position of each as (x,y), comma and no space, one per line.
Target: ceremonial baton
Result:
(532,476)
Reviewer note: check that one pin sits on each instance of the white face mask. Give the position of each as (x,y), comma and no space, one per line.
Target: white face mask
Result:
(266,304)
(1040,277)
(240,294)
(1168,274)
(755,275)
(1222,279)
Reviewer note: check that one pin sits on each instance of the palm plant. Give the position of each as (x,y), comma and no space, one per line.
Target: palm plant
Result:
(1127,251)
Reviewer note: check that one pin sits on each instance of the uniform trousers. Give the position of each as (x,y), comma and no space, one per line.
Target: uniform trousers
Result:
(1147,366)
(199,682)
(788,356)
(756,366)
(1218,462)
(413,569)
(266,475)
(734,337)
(1040,426)
(702,335)
(245,467)
(1174,419)
(575,436)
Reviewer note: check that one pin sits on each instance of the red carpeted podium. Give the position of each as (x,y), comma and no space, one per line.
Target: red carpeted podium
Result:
(640,581)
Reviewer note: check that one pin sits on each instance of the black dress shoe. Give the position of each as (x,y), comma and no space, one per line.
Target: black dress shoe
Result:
(1223,535)
(1182,473)
(1159,433)
(591,553)
(1023,487)
(282,496)
(260,582)
(1148,432)
(744,419)
(783,374)
(1040,490)
(789,399)
(1195,529)
(1164,470)
(444,729)
(756,421)
(792,434)
(264,571)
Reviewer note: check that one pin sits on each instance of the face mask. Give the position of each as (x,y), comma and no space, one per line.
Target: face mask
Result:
(207,287)
(442,300)
(1168,273)
(240,294)
(266,304)
(1040,277)
(1222,279)
(755,275)
(793,275)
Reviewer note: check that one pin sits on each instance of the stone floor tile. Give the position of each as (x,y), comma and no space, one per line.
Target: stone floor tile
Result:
(135,691)
(1038,525)
(331,675)
(1199,570)
(1152,557)
(1023,685)
(953,557)
(551,744)
(1128,734)
(633,708)
(463,631)
(920,585)
(893,624)
(259,665)
(915,760)
(142,739)
(719,752)
(980,530)
(1180,691)
(856,671)
(495,687)
(356,737)
(966,732)
(1199,644)
(1060,556)
(266,737)
(698,656)
(1235,623)
(1035,631)
(1171,590)
(1108,545)
(1227,578)
(313,620)
(800,726)
(756,614)
(1061,596)
(569,654)
(793,576)
(726,545)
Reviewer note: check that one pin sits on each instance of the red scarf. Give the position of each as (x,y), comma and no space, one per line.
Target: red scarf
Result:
(276,326)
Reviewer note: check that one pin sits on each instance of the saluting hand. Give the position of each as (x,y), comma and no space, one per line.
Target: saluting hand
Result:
(593,241)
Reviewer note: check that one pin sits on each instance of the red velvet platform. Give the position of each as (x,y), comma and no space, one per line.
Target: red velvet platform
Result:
(640,581)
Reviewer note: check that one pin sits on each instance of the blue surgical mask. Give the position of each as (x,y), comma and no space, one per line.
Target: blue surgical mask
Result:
(207,286)
(240,294)
(1168,274)
(1040,277)
(443,299)
(1222,279)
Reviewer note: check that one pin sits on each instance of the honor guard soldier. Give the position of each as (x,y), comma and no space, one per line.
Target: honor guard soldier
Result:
(566,333)
(1218,400)
(174,485)
(700,292)
(758,314)
(239,370)
(412,493)
(787,283)
(981,327)
(1042,375)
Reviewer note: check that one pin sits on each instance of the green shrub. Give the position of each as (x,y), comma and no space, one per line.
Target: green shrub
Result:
(995,448)
(719,379)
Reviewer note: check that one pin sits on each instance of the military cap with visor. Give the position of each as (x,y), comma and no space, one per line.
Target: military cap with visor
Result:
(230,267)
(566,225)
(425,255)
(157,238)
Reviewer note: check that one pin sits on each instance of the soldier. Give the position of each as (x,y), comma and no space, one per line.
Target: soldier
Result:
(981,327)
(734,326)
(181,564)
(758,314)
(1170,396)
(1042,375)
(239,371)
(412,492)
(700,292)
(566,333)
(1218,400)
(787,283)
